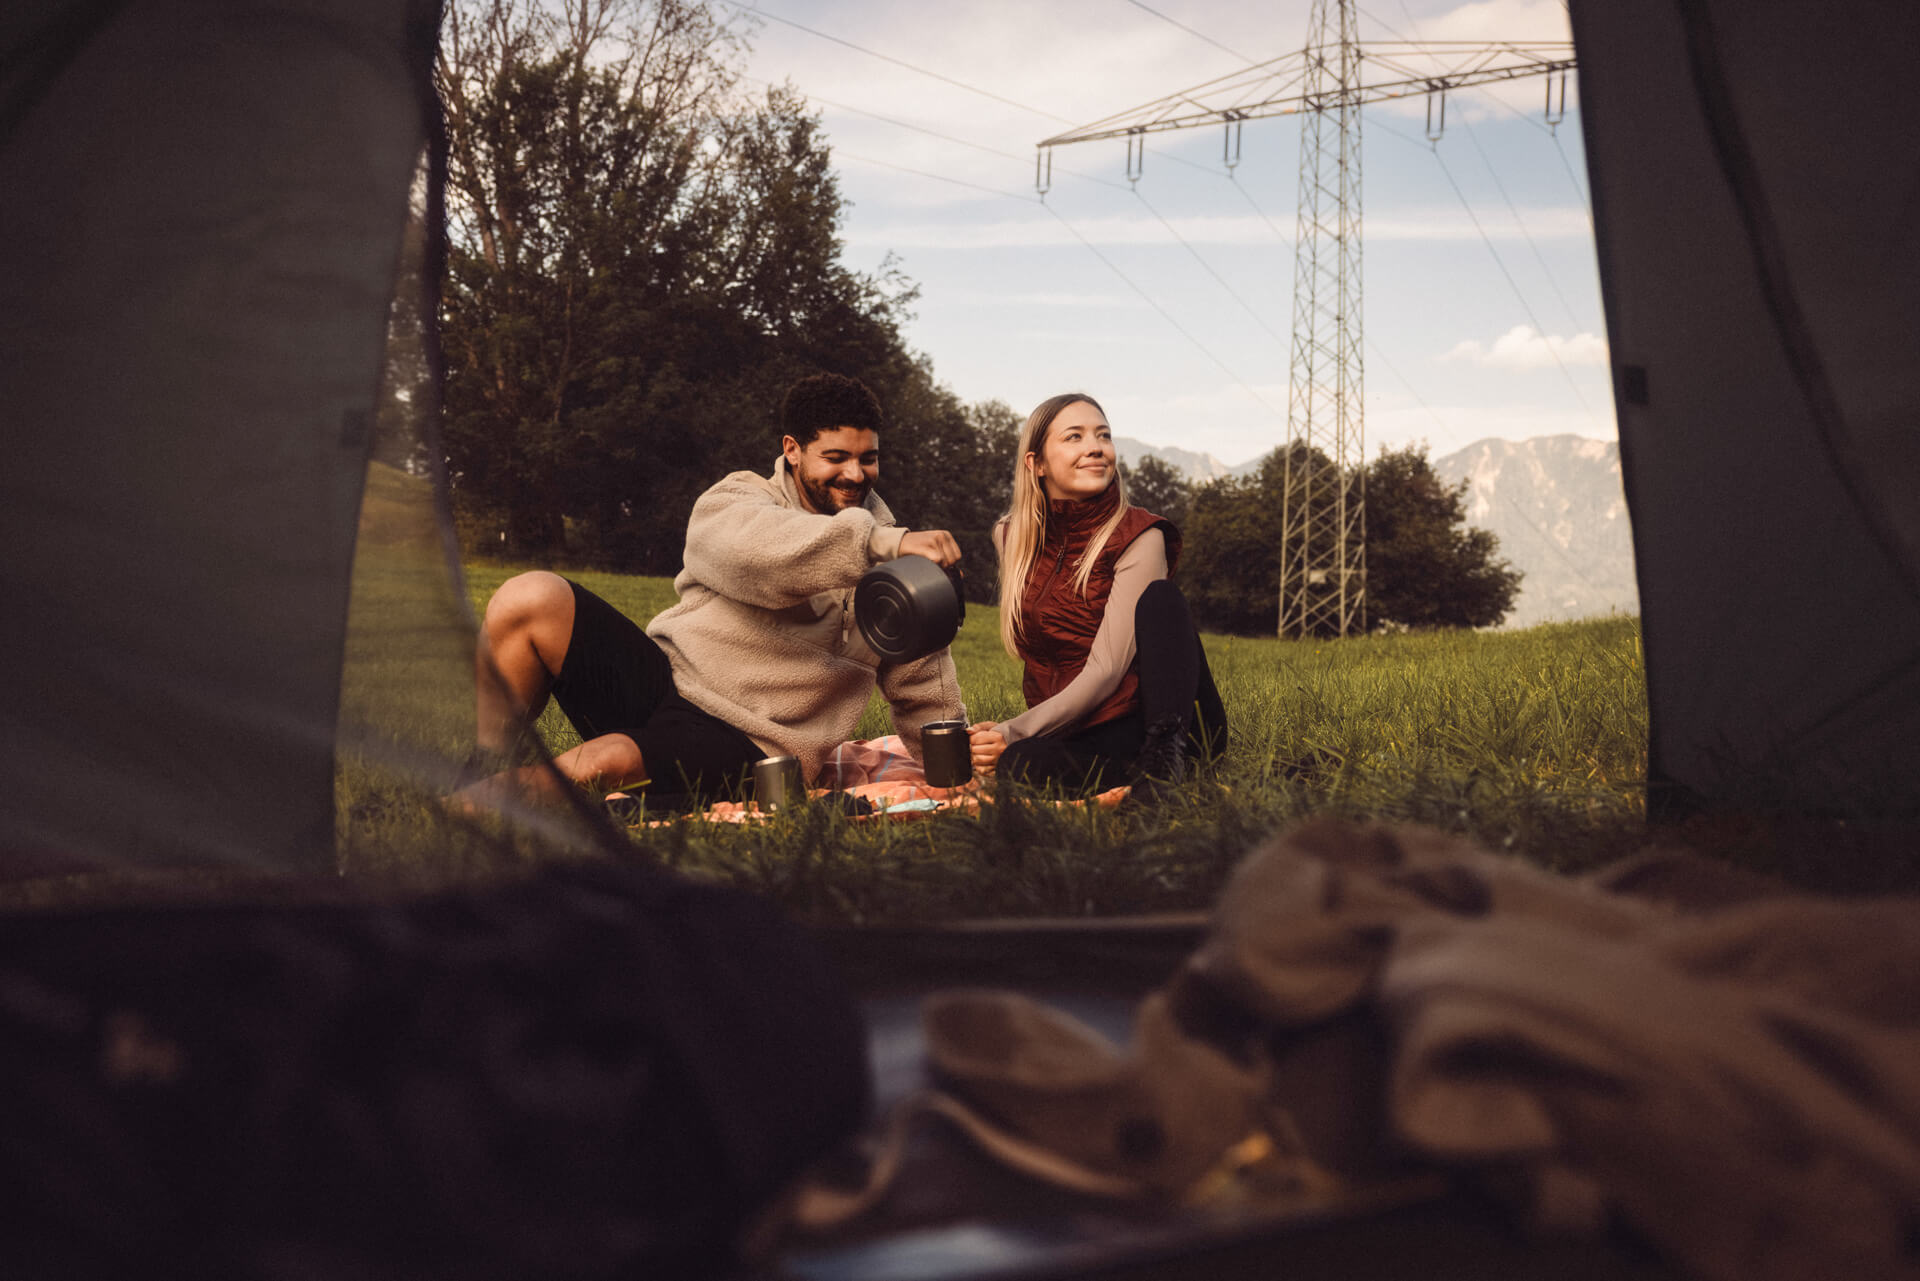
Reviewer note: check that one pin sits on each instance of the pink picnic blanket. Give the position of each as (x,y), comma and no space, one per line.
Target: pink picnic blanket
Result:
(883,773)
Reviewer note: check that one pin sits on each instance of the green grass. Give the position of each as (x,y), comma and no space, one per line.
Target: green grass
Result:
(1532,741)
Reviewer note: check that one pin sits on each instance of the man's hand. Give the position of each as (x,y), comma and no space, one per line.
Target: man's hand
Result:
(937,545)
(986,743)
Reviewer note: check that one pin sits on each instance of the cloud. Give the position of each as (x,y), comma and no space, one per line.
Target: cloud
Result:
(1551,222)
(1498,20)
(1227,400)
(1017,233)
(1482,22)
(1066,339)
(1045,232)
(1522,347)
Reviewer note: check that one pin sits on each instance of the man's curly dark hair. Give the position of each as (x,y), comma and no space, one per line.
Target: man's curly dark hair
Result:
(822,402)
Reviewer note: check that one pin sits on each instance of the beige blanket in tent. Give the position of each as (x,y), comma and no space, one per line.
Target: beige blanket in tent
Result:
(1741,1084)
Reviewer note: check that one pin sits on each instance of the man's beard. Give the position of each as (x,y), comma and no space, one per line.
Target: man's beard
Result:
(825,496)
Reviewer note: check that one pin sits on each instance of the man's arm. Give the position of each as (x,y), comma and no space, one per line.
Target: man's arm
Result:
(747,545)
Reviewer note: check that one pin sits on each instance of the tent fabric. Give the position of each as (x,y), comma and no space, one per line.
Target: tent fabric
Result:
(1757,214)
(203,212)
(592,1072)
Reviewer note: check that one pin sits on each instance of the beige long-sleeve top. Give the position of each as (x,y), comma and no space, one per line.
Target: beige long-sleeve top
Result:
(764,634)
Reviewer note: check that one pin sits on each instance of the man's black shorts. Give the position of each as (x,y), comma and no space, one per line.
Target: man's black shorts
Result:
(615,680)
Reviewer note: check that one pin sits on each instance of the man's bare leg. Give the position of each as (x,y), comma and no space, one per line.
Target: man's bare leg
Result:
(524,636)
(523,641)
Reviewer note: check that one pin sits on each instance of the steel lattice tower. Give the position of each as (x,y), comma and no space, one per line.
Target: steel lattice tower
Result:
(1323,578)
(1323,568)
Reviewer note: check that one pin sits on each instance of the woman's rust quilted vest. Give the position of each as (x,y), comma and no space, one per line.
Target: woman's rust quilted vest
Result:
(1058,622)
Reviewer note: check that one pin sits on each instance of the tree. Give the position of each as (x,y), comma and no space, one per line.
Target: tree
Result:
(406,377)
(1231,566)
(1425,566)
(982,490)
(572,137)
(1161,488)
(639,263)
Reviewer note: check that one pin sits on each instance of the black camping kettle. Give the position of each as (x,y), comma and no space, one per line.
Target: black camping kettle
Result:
(909,607)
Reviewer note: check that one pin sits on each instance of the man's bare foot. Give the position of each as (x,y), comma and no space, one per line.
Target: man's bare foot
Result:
(527,785)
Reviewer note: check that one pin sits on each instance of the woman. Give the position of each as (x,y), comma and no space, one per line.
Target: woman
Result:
(1113,665)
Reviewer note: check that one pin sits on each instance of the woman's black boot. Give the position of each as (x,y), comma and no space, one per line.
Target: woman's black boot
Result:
(1162,763)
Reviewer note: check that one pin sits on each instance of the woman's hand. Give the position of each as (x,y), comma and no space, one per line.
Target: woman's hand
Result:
(986,743)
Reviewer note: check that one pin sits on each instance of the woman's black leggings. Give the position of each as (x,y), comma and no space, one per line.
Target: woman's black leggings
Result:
(1175,685)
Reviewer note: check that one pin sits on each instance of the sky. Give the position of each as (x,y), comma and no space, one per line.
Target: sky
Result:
(1170,300)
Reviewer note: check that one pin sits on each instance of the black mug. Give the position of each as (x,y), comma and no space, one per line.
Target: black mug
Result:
(946,753)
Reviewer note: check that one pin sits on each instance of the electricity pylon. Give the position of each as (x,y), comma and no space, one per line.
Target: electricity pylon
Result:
(1323,554)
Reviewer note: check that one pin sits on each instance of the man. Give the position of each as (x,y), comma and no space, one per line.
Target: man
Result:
(760,657)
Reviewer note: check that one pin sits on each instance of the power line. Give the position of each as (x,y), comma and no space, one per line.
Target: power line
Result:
(1164,313)
(1501,263)
(918,70)
(885,57)
(1372,346)
(1501,187)
(1208,268)
(1271,225)
(1196,34)
(1023,197)
(1388,29)
(1111,265)
(1114,267)
(944,79)
(1586,201)
(1440,422)
(1485,239)
(1278,233)
(934,133)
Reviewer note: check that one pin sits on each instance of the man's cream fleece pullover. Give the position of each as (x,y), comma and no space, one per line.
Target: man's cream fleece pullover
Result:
(764,637)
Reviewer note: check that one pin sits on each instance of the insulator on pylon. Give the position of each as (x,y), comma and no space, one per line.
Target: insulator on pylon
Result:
(1043,171)
(1136,154)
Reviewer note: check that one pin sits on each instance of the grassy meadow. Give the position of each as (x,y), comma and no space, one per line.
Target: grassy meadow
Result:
(1532,741)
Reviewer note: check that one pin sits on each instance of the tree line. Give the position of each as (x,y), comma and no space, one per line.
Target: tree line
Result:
(642,256)
(1426,567)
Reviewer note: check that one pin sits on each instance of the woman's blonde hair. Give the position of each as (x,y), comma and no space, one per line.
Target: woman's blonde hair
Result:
(1026,518)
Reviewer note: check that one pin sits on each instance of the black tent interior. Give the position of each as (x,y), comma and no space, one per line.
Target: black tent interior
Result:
(214,475)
